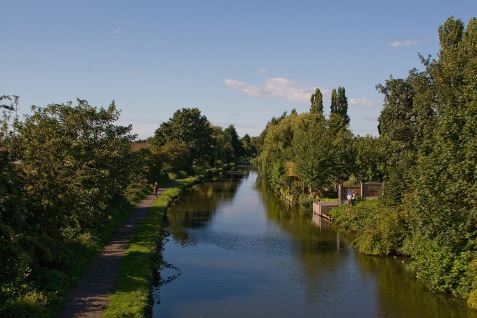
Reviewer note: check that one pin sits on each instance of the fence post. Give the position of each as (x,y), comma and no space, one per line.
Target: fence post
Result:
(339,194)
(362,190)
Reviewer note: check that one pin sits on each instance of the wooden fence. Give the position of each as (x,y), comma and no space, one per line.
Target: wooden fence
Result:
(365,190)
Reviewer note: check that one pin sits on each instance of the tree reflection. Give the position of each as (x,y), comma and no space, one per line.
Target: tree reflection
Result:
(196,208)
(405,297)
(317,248)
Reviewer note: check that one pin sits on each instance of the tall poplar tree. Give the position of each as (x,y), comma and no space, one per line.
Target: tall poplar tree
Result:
(334,102)
(339,118)
(316,101)
(342,105)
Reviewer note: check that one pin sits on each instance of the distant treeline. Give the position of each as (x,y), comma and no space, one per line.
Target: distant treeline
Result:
(69,174)
(426,154)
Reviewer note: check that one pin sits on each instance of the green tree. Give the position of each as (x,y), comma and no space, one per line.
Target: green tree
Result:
(342,140)
(369,159)
(190,127)
(445,206)
(397,132)
(428,131)
(334,102)
(234,140)
(62,170)
(314,155)
(77,162)
(316,101)
(276,150)
(342,105)
(250,145)
(339,119)
(15,264)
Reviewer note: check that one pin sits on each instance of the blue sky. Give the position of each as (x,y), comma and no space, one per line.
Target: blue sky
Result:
(240,62)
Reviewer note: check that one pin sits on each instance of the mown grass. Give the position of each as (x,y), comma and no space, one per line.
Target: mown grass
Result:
(131,291)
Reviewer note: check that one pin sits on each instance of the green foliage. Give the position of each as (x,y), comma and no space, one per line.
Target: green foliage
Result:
(440,266)
(378,229)
(429,135)
(339,119)
(250,146)
(233,140)
(369,159)
(190,128)
(316,101)
(188,141)
(276,151)
(313,152)
(305,149)
(397,131)
(175,155)
(64,174)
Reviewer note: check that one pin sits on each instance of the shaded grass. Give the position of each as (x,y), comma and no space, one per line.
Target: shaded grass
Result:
(131,291)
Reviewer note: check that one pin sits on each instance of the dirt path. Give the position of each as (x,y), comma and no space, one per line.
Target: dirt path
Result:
(90,297)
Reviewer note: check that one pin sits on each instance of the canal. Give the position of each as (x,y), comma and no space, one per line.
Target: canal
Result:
(234,250)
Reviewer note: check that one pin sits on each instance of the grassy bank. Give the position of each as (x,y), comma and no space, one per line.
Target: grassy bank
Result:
(131,292)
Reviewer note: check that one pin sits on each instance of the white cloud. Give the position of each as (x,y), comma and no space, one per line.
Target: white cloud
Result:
(361,102)
(397,43)
(276,87)
(117,31)
(262,70)
(249,90)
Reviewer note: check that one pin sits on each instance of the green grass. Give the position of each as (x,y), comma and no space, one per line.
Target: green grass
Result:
(131,292)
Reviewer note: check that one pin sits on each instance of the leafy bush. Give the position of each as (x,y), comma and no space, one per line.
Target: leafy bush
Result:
(379,230)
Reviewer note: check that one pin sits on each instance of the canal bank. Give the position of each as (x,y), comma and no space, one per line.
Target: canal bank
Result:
(131,295)
(131,291)
(234,250)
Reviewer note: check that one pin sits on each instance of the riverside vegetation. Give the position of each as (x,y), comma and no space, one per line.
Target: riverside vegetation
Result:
(426,154)
(69,175)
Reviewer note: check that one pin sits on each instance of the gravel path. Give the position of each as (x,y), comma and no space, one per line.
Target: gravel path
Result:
(90,297)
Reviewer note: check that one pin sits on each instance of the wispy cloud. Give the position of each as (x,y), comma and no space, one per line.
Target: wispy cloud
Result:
(116,31)
(361,102)
(262,70)
(275,87)
(400,43)
(249,90)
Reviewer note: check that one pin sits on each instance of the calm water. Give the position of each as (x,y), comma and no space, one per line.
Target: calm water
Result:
(234,250)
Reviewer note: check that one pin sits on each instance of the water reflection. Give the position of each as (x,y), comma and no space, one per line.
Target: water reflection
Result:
(197,208)
(401,295)
(234,250)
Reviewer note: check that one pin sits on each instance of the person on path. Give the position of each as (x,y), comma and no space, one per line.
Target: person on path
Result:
(156,188)
(349,198)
